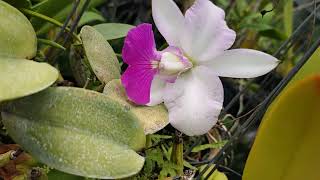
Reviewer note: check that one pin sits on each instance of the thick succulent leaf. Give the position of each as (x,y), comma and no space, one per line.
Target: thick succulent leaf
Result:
(77,131)
(100,54)
(112,31)
(287,143)
(81,109)
(153,118)
(17,36)
(21,77)
(59,147)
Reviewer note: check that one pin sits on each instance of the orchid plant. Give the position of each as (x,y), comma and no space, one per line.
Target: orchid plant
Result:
(66,104)
(185,75)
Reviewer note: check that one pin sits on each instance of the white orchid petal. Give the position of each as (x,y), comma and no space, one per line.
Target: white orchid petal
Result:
(242,63)
(168,19)
(206,33)
(157,90)
(194,101)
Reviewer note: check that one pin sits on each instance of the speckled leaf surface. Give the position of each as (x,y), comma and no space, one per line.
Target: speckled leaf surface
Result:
(17,36)
(77,131)
(153,118)
(21,77)
(100,54)
(112,31)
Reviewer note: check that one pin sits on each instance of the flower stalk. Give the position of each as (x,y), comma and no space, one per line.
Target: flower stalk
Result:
(177,152)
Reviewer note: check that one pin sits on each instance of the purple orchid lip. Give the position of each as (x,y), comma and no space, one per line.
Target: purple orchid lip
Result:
(139,52)
(144,61)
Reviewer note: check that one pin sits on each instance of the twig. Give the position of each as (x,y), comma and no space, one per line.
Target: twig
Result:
(72,29)
(16,153)
(46,18)
(63,28)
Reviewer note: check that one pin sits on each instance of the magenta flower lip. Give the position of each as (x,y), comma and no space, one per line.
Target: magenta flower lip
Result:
(138,52)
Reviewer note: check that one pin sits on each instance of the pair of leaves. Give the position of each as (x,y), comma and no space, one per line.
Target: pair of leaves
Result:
(286,147)
(106,67)
(19,76)
(77,131)
(101,134)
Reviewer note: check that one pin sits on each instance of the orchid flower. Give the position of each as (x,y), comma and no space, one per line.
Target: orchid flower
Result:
(185,76)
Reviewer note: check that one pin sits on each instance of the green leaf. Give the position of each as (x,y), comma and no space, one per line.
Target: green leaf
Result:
(273,33)
(17,36)
(20,77)
(51,43)
(209,146)
(100,54)
(112,31)
(19,3)
(55,174)
(216,175)
(58,10)
(266,30)
(287,144)
(51,8)
(257,26)
(288,17)
(188,165)
(152,118)
(77,131)
(90,16)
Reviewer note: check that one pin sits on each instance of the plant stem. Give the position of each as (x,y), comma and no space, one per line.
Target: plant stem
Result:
(148,141)
(177,152)
(51,43)
(5,158)
(46,18)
